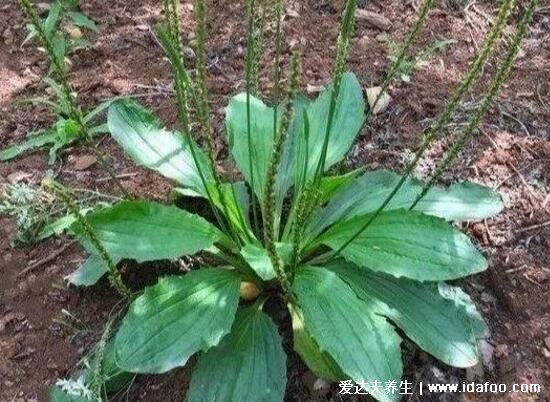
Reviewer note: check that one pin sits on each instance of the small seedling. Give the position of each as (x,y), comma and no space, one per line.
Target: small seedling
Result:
(62,133)
(58,38)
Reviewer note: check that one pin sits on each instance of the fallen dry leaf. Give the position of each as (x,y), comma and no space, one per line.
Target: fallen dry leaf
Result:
(383,102)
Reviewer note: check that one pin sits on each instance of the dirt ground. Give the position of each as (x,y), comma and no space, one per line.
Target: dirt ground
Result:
(39,344)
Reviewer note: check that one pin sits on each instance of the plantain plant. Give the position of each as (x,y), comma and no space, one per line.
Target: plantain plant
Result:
(59,34)
(355,257)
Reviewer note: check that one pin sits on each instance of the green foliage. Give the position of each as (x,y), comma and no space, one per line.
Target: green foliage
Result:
(250,359)
(62,133)
(363,344)
(408,244)
(449,321)
(58,38)
(176,318)
(164,231)
(329,308)
(71,122)
(353,262)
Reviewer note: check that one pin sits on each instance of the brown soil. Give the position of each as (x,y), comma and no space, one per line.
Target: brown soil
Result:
(513,154)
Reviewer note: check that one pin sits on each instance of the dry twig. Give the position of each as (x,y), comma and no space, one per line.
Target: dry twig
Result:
(46,260)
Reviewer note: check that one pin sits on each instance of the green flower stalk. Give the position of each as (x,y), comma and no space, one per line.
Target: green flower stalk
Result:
(447,114)
(250,61)
(57,64)
(342,50)
(169,35)
(201,87)
(278,15)
(488,101)
(171,15)
(97,379)
(270,231)
(307,199)
(203,108)
(114,275)
(257,43)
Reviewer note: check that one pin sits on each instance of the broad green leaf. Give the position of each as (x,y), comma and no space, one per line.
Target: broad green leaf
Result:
(320,363)
(176,318)
(82,20)
(258,258)
(90,272)
(236,198)
(148,231)
(441,319)
(261,139)
(248,365)
(409,244)
(28,144)
(362,343)
(56,227)
(348,119)
(148,144)
(330,185)
(460,202)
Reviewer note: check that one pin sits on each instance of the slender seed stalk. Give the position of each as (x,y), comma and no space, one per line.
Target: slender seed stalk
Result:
(97,380)
(404,51)
(394,68)
(57,64)
(250,60)
(305,206)
(488,101)
(278,14)
(342,50)
(257,41)
(114,275)
(204,112)
(301,172)
(171,15)
(169,37)
(58,68)
(270,232)
(446,116)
